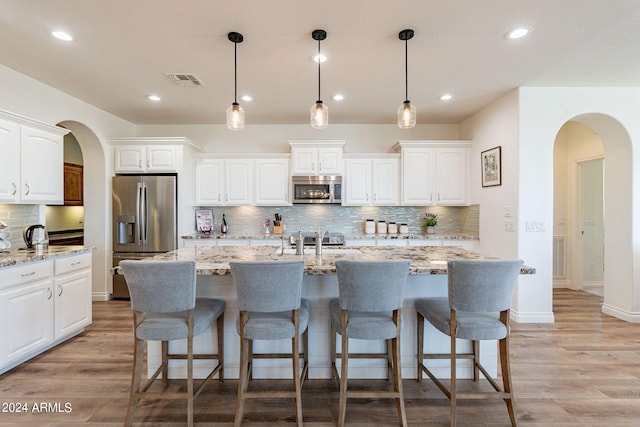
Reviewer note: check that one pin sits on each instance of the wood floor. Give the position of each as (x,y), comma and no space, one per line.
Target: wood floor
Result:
(584,370)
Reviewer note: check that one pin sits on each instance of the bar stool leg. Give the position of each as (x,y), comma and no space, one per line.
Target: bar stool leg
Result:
(342,408)
(420,340)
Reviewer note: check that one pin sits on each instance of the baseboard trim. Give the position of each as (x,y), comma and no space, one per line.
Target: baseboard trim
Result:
(627,316)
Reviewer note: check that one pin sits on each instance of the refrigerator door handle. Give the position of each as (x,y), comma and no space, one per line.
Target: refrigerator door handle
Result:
(145,213)
(138,215)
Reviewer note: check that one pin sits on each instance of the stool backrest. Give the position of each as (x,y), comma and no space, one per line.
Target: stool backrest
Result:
(482,286)
(371,285)
(268,286)
(160,286)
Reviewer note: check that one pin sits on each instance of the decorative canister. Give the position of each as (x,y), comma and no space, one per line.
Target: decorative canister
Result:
(382,227)
(392,228)
(369,226)
(404,229)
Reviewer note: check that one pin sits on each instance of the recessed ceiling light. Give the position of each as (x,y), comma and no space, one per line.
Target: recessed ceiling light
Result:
(338,97)
(446,97)
(246,98)
(154,98)
(518,33)
(61,35)
(319,58)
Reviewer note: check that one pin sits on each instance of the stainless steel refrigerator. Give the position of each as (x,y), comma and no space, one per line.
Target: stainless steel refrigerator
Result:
(144,220)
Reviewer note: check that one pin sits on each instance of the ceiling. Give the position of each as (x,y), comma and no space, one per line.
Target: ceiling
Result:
(122,50)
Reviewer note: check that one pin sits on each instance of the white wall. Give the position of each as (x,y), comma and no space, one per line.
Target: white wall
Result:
(613,114)
(274,138)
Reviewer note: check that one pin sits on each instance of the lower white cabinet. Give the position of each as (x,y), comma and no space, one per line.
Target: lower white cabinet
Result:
(41,304)
(72,288)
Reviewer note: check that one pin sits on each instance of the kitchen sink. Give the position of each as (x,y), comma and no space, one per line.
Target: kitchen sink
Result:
(325,251)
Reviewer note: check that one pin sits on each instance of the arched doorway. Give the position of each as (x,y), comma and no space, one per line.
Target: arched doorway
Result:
(618,206)
(96,219)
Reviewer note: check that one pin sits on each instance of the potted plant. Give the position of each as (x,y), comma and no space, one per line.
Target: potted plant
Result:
(429,222)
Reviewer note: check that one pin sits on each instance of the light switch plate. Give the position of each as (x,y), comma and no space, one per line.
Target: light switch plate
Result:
(535,226)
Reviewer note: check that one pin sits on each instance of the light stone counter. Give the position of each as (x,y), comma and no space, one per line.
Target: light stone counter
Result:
(23,256)
(214,260)
(428,278)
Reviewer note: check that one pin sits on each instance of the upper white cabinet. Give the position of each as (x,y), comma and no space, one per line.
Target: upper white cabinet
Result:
(316,157)
(272,182)
(435,172)
(33,167)
(150,154)
(223,182)
(372,181)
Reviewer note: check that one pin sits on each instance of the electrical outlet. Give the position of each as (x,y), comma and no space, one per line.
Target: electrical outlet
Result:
(507,211)
(535,226)
(508,226)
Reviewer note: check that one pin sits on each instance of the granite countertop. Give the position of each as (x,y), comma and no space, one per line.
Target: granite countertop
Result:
(213,260)
(22,256)
(347,236)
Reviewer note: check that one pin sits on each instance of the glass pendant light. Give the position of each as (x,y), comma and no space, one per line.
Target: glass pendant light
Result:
(235,113)
(319,111)
(406,111)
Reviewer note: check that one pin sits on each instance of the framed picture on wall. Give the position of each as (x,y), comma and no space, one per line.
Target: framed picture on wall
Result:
(491,167)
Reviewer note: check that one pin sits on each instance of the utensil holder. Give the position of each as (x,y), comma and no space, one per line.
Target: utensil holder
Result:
(278,229)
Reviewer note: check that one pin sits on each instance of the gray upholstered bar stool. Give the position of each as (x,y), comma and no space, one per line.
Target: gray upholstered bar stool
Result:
(165,308)
(369,308)
(476,309)
(271,307)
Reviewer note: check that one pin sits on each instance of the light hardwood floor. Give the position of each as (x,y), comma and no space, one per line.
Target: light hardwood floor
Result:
(584,370)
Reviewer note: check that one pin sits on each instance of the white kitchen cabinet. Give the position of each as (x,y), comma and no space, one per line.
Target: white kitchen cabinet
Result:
(372,182)
(26,311)
(32,154)
(316,157)
(72,288)
(435,173)
(42,304)
(224,182)
(146,158)
(272,182)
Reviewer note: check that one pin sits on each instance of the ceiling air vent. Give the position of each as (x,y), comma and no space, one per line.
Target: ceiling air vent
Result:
(184,79)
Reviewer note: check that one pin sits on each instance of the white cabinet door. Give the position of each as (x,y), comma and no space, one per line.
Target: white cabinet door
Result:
(272,182)
(357,182)
(304,161)
(238,180)
(145,158)
(386,182)
(72,303)
(209,182)
(314,160)
(329,161)
(161,158)
(10,168)
(130,158)
(417,176)
(41,166)
(451,179)
(26,315)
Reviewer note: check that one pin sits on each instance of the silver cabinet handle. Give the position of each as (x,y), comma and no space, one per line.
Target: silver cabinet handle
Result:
(50,294)
(320,166)
(60,287)
(28,274)
(374,197)
(15,188)
(219,197)
(75,263)
(28,189)
(140,164)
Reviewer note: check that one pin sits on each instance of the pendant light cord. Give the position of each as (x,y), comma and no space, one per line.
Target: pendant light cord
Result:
(319,60)
(235,72)
(406,71)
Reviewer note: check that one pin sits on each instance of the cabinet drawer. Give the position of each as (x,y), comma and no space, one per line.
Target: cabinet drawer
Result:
(72,263)
(25,273)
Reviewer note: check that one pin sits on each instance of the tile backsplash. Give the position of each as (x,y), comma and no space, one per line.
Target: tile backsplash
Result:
(17,218)
(463,220)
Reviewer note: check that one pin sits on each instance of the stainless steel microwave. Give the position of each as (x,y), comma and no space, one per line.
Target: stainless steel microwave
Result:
(317,189)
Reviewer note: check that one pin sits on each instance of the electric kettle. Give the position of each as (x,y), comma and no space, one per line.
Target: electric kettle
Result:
(35,235)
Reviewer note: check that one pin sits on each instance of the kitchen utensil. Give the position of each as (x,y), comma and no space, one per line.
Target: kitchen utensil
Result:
(35,235)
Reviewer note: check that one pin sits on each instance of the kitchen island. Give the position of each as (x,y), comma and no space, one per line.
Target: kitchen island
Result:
(428,269)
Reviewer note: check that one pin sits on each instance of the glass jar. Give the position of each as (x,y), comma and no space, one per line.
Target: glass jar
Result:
(369,226)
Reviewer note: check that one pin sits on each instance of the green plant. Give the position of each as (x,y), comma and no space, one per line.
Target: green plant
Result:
(430,220)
